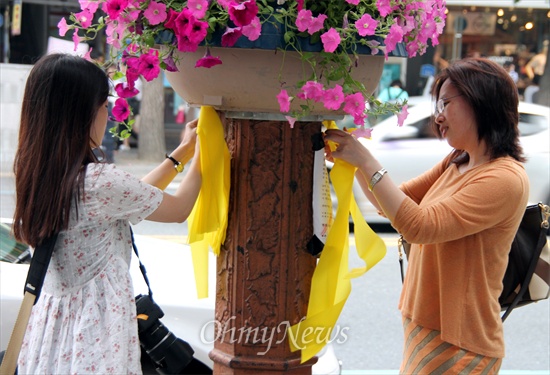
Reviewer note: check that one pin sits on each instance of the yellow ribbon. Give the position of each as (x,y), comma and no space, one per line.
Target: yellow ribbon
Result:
(331,283)
(207,222)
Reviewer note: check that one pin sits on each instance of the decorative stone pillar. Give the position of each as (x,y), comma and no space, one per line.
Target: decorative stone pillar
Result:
(264,271)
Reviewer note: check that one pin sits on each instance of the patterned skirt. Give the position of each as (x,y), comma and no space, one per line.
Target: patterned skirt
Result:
(426,353)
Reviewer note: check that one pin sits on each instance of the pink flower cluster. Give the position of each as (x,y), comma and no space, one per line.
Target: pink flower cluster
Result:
(134,26)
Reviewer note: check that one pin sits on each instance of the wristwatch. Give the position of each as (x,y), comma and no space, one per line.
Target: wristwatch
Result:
(377,177)
(177,165)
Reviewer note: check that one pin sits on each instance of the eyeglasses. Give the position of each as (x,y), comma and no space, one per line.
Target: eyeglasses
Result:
(441,103)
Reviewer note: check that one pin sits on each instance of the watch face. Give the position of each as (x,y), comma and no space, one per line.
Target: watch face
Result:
(179,167)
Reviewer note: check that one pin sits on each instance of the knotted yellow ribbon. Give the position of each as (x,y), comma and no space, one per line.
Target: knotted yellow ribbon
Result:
(207,222)
(331,283)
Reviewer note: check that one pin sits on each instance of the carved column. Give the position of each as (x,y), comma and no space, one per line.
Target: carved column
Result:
(264,271)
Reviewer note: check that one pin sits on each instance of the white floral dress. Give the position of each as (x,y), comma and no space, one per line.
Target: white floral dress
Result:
(85,319)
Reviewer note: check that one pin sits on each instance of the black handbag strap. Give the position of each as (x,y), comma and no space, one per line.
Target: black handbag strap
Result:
(40,261)
(141,266)
(530,271)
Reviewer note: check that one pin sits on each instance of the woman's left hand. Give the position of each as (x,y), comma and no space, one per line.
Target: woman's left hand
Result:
(348,148)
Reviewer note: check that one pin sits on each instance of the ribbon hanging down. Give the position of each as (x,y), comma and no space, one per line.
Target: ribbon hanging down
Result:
(331,283)
(207,222)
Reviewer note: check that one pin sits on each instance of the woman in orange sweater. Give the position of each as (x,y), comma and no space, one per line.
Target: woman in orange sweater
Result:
(461,217)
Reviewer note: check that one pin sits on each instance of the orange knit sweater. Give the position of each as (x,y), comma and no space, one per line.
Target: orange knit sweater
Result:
(466,223)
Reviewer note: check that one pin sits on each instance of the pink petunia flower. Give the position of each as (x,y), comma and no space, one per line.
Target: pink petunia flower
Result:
(304,19)
(384,7)
(63,27)
(402,116)
(85,18)
(155,13)
(124,91)
(149,66)
(225,3)
(186,45)
(76,38)
(354,104)
(353,2)
(317,23)
(170,64)
(172,16)
(114,8)
(412,48)
(395,36)
(197,30)
(359,118)
(284,101)
(198,7)
(121,110)
(88,55)
(231,35)
(333,98)
(362,132)
(243,13)
(207,61)
(253,30)
(366,25)
(374,46)
(182,21)
(311,90)
(291,120)
(331,40)
(90,5)
(300,5)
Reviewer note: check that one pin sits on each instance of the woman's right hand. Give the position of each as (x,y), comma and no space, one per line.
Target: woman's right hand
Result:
(189,135)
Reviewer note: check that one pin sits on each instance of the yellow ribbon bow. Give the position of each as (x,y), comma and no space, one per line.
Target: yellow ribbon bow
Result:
(207,222)
(331,283)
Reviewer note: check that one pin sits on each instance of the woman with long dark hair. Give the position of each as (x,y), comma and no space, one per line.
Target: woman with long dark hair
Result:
(460,216)
(85,318)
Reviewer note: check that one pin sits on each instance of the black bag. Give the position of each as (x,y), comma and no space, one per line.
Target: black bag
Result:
(168,353)
(527,277)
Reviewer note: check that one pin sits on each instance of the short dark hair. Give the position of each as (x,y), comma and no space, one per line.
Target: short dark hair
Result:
(396,82)
(62,97)
(493,96)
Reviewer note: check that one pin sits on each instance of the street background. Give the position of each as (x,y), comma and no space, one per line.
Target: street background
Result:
(374,335)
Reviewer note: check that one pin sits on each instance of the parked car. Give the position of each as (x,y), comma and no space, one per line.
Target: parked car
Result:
(171,276)
(409,150)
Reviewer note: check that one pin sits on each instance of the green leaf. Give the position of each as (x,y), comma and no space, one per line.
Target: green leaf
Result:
(118,75)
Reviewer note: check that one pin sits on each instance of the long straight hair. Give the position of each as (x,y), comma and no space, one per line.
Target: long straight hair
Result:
(62,97)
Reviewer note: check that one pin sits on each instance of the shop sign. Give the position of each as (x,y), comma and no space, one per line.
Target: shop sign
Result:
(471,23)
(16,17)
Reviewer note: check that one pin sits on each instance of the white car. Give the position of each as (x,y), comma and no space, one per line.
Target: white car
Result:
(411,149)
(171,276)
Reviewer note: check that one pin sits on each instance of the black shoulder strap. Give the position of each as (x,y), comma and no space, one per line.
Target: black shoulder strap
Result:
(39,266)
(141,266)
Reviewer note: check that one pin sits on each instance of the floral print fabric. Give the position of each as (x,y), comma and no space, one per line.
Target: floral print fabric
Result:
(85,318)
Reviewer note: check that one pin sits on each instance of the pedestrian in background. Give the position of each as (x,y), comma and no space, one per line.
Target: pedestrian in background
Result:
(394,93)
(511,69)
(535,66)
(460,217)
(85,319)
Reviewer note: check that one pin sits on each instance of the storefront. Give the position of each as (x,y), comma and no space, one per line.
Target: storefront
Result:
(27,25)
(502,30)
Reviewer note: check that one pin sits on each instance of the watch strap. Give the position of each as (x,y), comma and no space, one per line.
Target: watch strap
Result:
(177,165)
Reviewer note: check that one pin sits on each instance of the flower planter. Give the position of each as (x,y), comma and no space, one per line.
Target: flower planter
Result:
(248,80)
